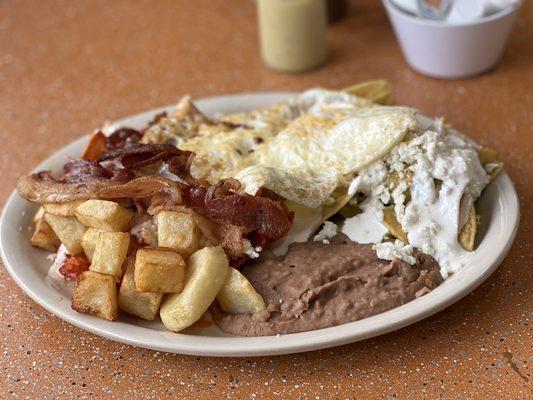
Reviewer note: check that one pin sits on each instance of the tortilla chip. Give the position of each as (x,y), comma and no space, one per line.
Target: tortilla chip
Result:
(489,156)
(349,211)
(378,91)
(393,180)
(467,236)
(391,223)
(341,199)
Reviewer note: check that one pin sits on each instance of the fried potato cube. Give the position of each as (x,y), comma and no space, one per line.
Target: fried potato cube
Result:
(159,270)
(144,305)
(110,253)
(88,242)
(38,215)
(207,270)
(69,230)
(238,296)
(178,231)
(44,237)
(105,215)
(96,294)
(63,209)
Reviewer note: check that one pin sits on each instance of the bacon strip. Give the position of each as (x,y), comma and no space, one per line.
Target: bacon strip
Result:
(140,155)
(180,165)
(96,147)
(145,186)
(265,216)
(41,190)
(222,233)
(84,171)
(122,138)
(74,266)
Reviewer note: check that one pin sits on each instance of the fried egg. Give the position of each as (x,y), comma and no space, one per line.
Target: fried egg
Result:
(301,149)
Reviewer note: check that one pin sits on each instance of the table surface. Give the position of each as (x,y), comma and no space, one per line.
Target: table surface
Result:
(67,66)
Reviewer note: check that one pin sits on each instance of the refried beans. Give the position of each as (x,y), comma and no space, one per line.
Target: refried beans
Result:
(317,285)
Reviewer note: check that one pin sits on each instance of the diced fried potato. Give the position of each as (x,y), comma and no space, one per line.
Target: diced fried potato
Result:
(69,230)
(159,270)
(178,231)
(391,223)
(110,253)
(44,237)
(238,296)
(88,242)
(38,215)
(105,215)
(63,209)
(144,305)
(467,236)
(95,148)
(96,294)
(207,270)
(377,91)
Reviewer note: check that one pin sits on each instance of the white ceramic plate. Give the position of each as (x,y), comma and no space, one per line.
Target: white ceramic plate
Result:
(28,266)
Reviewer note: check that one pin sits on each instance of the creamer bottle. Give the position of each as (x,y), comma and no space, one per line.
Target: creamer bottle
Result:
(292,33)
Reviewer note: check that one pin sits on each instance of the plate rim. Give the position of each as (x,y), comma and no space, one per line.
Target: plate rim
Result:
(255,346)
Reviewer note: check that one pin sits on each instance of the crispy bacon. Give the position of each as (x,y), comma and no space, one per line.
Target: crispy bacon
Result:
(222,233)
(145,186)
(180,165)
(45,176)
(140,155)
(74,266)
(41,190)
(122,138)
(165,201)
(84,171)
(232,215)
(96,147)
(265,216)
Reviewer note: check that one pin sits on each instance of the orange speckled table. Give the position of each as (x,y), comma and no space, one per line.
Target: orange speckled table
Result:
(66,66)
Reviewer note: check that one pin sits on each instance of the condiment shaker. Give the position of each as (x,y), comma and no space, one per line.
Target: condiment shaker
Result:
(292,33)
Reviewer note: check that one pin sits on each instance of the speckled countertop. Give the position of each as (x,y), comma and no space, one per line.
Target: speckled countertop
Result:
(66,66)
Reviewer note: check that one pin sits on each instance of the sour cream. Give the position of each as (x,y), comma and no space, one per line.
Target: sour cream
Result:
(434,215)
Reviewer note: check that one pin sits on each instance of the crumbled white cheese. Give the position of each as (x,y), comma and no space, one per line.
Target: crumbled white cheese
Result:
(433,217)
(396,249)
(328,231)
(354,186)
(59,260)
(249,250)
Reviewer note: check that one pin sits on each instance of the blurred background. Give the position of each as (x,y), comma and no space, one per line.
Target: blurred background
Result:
(68,66)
